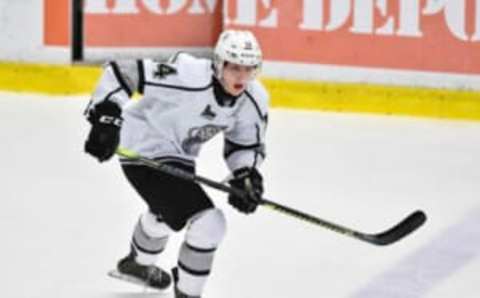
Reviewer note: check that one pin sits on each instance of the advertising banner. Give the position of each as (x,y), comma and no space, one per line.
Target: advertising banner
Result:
(418,35)
(424,35)
(152,23)
(138,23)
(56,23)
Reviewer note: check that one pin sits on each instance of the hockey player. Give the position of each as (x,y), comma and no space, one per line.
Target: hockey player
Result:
(186,101)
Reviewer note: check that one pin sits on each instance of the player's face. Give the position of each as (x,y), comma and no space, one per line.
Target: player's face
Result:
(235,77)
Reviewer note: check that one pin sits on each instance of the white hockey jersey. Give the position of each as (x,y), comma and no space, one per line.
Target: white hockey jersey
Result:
(179,112)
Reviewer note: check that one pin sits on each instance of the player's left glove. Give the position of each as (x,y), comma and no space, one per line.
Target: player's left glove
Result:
(251,182)
(104,136)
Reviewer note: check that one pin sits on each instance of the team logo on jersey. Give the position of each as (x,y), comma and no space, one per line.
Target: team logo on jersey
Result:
(208,113)
(199,135)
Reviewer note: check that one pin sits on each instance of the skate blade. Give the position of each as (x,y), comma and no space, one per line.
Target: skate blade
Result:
(133,280)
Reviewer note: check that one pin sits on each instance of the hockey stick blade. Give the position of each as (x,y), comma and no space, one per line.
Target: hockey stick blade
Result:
(402,229)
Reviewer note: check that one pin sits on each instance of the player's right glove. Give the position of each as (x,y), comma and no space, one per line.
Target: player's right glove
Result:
(251,182)
(104,135)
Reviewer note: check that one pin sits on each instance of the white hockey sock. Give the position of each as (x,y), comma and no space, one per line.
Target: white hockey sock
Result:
(194,265)
(149,239)
(204,234)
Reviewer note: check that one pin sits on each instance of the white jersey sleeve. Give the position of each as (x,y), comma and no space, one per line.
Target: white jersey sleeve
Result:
(245,142)
(119,80)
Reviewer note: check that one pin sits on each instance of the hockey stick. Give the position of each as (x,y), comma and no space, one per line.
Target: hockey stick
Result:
(397,232)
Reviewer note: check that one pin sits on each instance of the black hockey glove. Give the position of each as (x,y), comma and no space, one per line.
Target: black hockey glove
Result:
(104,135)
(250,181)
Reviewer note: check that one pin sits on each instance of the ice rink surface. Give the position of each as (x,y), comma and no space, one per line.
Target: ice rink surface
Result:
(65,219)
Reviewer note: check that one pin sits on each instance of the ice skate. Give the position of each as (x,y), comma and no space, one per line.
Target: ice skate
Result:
(150,276)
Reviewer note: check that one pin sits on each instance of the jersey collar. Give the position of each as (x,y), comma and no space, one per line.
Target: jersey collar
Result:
(223,98)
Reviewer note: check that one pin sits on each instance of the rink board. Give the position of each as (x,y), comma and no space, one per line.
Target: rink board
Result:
(314,95)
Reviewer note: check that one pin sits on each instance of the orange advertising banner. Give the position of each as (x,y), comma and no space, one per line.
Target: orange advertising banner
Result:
(137,23)
(132,23)
(56,22)
(423,35)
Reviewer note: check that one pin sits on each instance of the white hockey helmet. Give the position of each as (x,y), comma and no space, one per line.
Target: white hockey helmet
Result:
(239,47)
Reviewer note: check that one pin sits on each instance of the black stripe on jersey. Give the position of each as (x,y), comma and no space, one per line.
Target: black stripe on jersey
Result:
(185,164)
(200,250)
(112,93)
(120,80)
(192,89)
(231,147)
(187,167)
(255,104)
(168,158)
(192,271)
(141,76)
(255,159)
(174,58)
